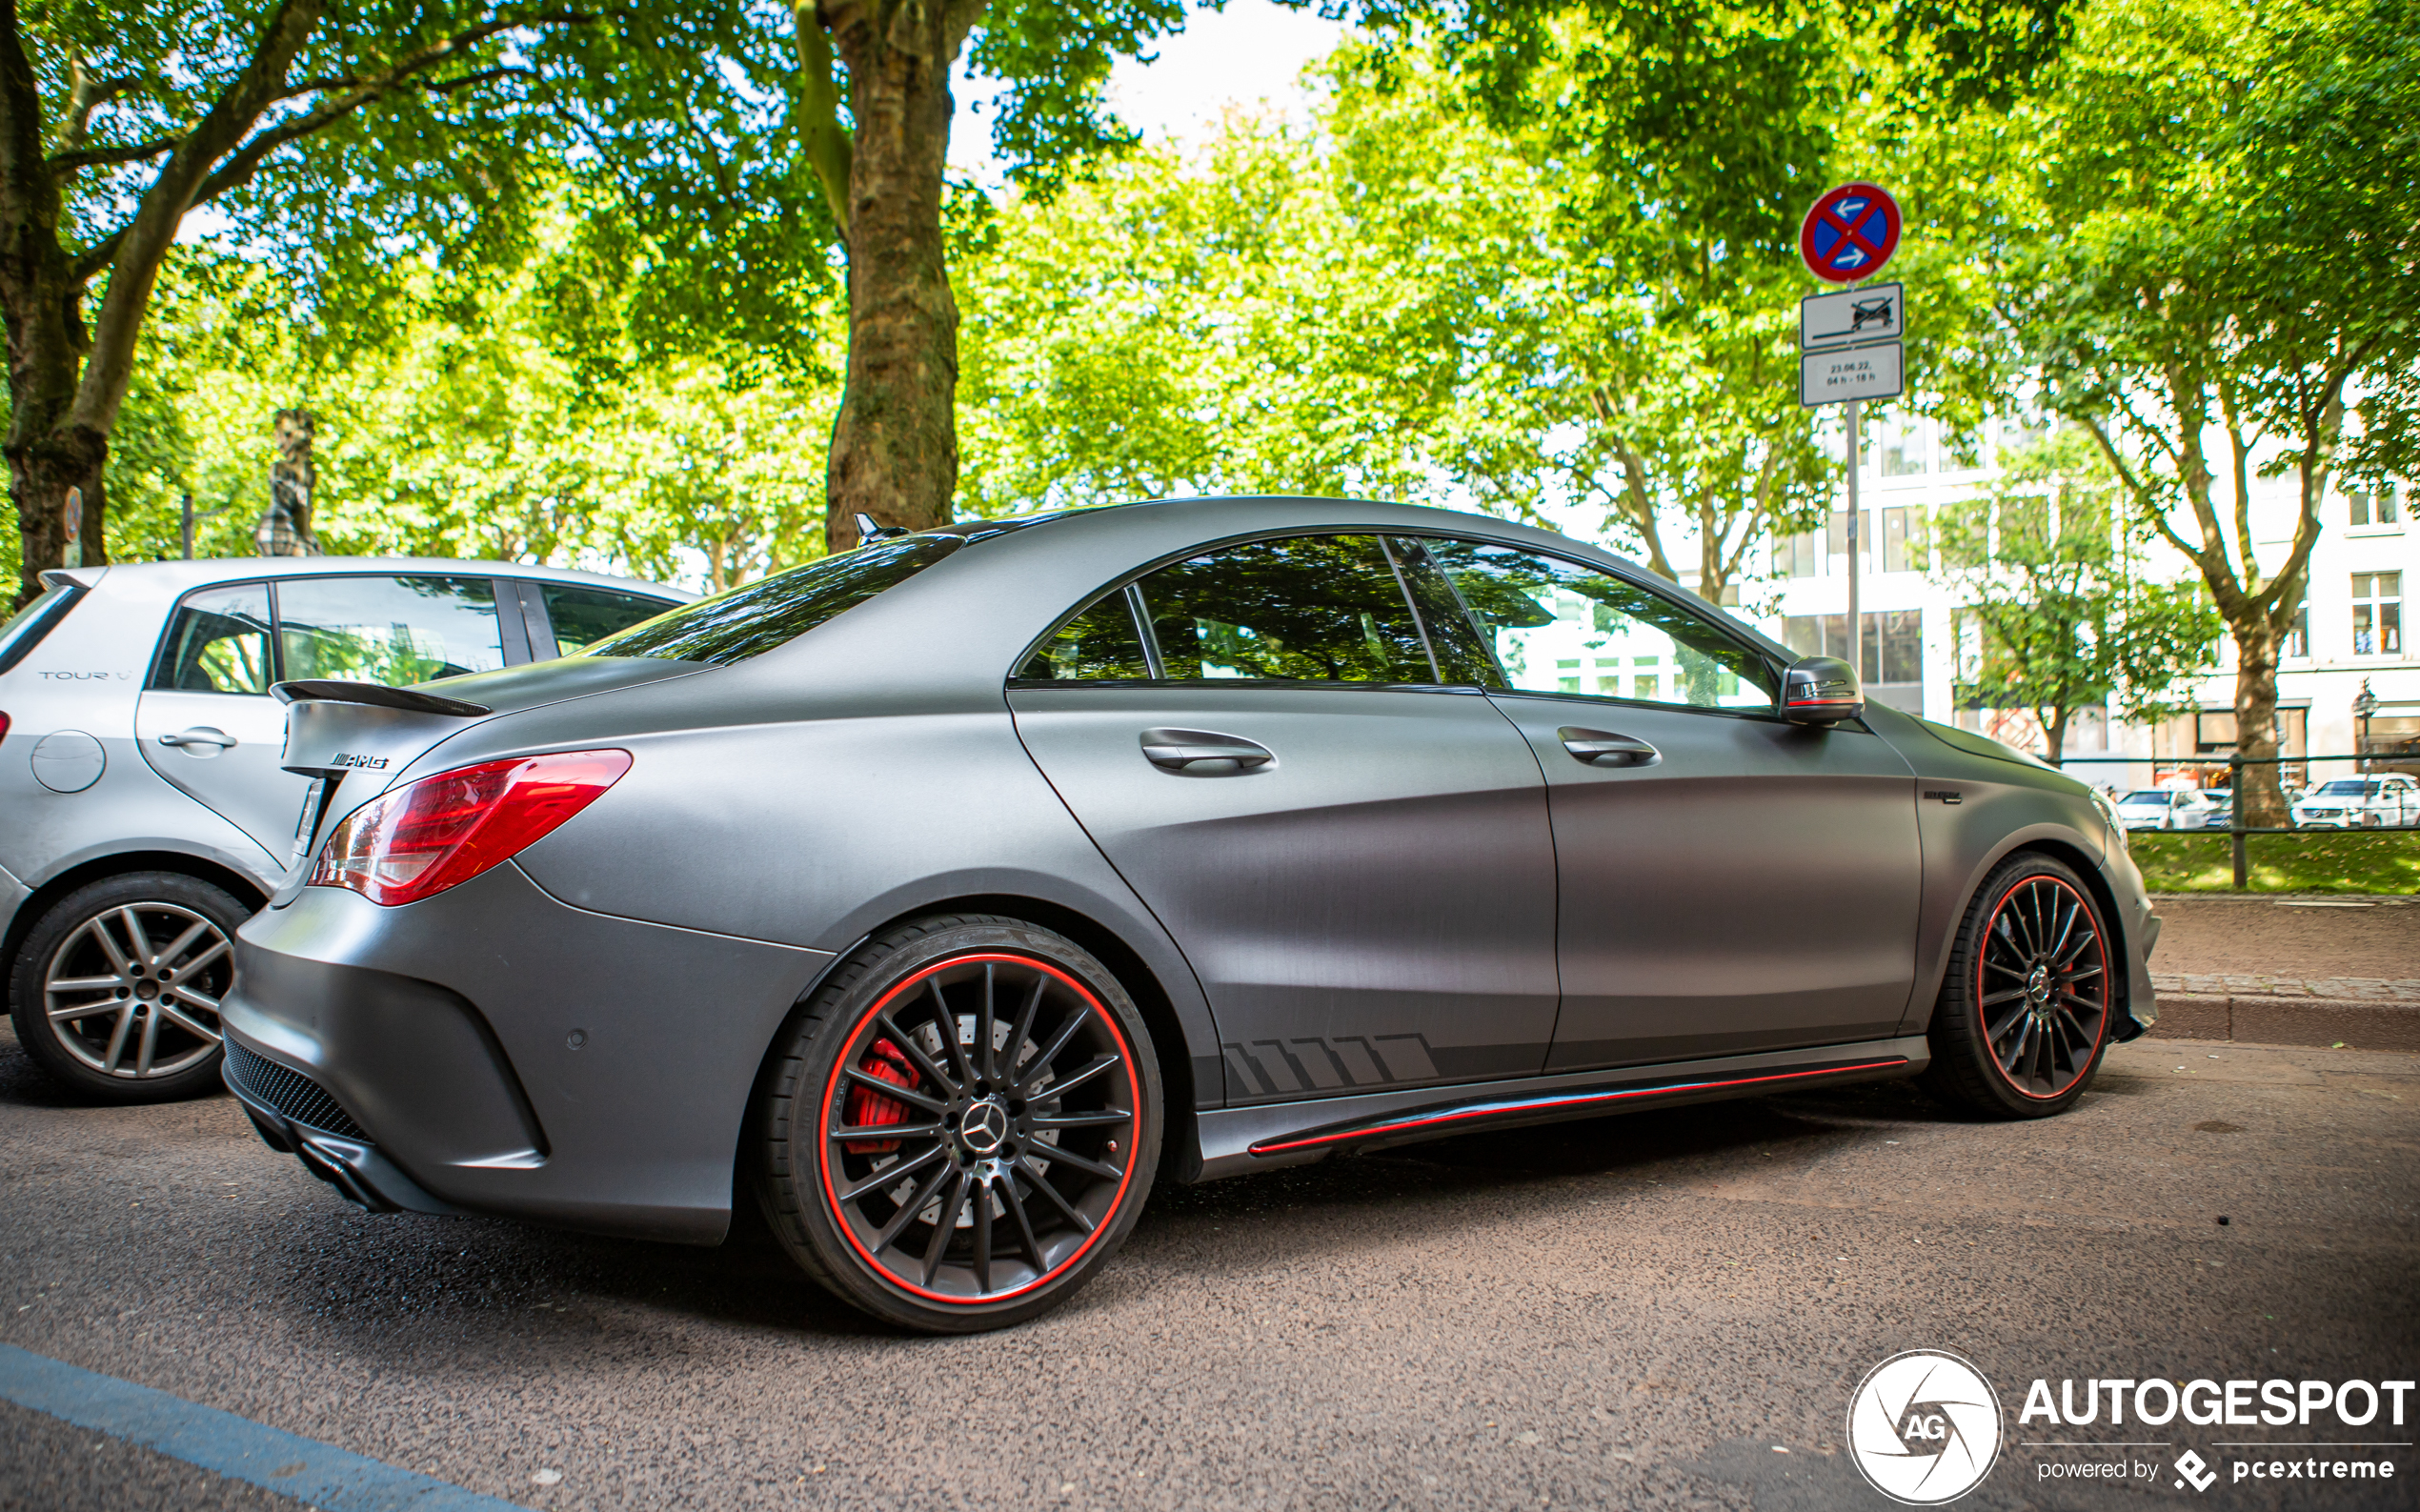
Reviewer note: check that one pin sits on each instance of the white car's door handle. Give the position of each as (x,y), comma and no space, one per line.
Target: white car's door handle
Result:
(199,734)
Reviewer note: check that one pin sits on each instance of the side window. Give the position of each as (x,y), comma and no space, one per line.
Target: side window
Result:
(217,642)
(1559,627)
(584,615)
(396,631)
(1305,609)
(1100,645)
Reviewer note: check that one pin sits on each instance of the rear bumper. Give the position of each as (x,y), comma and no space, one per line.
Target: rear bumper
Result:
(492,1050)
(12,896)
(350,1164)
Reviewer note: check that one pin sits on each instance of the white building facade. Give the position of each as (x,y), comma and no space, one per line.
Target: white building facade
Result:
(2353,631)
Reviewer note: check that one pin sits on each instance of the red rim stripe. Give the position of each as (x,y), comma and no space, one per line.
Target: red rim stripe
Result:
(1576,1099)
(2108,993)
(823,1127)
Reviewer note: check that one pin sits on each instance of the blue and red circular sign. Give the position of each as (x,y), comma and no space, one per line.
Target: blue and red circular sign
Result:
(1850,234)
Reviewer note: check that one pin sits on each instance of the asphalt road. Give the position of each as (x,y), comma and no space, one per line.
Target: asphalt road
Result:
(1626,1312)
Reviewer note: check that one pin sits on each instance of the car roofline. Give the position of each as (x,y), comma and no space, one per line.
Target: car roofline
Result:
(201,572)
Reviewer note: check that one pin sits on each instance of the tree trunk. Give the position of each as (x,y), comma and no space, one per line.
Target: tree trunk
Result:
(44,475)
(895,442)
(49,456)
(2054,734)
(2262,802)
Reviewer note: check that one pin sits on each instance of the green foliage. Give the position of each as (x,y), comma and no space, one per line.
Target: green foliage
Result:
(2052,573)
(675,115)
(1401,301)
(1056,60)
(482,427)
(1268,317)
(2222,208)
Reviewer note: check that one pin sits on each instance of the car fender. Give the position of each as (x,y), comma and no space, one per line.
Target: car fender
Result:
(1973,813)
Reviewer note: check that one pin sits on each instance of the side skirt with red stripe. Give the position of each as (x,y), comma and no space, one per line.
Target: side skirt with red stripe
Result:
(1287,1134)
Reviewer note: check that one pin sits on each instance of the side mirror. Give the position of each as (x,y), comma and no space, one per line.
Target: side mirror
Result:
(1821,690)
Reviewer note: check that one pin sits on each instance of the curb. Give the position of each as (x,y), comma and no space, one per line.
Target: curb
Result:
(2261,1018)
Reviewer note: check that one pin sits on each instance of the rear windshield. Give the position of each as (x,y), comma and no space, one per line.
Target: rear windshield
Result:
(26,627)
(755,618)
(2149,799)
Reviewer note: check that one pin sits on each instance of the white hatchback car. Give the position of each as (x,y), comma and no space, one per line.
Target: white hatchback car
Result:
(142,811)
(2164,809)
(2383,800)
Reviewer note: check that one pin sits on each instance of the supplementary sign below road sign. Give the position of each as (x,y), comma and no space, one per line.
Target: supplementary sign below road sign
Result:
(1855,372)
(1850,233)
(1872,314)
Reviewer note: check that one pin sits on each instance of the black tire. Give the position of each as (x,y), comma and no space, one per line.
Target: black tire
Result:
(2026,1005)
(1058,1130)
(152,1034)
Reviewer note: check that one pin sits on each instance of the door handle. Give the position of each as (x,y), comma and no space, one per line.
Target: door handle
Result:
(1179,750)
(1601,748)
(200,734)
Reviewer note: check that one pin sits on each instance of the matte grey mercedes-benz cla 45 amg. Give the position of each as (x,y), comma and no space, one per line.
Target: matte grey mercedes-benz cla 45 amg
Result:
(942,896)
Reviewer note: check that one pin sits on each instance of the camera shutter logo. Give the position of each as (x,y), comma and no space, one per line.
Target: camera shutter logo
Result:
(1924,1428)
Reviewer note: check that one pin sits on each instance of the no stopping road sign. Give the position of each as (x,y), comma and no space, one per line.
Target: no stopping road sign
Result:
(1850,233)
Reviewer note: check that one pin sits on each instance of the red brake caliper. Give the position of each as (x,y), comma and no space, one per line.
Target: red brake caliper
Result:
(869,1109)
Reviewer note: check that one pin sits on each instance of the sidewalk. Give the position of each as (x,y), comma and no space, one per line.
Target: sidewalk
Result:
(2287,971)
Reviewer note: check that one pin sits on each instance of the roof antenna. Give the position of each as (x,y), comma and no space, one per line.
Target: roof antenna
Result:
(869,531)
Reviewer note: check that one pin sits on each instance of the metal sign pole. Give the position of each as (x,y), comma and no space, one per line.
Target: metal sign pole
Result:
(1856,656)
(1850,339)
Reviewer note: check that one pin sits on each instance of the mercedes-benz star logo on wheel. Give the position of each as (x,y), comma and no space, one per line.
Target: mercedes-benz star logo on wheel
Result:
(1924,1428)
(984,1127)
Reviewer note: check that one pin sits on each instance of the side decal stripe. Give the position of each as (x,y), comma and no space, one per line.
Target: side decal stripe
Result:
(1569,1101)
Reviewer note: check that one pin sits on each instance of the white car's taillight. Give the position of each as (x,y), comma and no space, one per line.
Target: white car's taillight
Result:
(445,830)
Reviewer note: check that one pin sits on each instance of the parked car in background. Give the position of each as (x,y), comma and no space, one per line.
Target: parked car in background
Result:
(2386,800)
(2221,812)
(2164,809)
(144,813)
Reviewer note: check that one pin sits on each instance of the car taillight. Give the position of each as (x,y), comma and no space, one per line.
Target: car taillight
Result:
(4,727)
(443,830)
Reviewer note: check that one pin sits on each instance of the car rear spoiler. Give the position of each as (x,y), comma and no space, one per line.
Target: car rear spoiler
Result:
(376,696)
(334,727)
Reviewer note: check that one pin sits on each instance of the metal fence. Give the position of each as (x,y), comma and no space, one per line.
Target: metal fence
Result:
(2388,799)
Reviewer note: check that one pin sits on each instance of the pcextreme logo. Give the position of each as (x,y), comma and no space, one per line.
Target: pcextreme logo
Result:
(1924,1428)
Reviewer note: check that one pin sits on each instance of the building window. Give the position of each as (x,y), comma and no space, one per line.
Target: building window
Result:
(1893,649)
(1902,446)
(2214,731)
(1903,539)
(1794,555)
(1836,537)
(2373,507)
(2298,637)
(2377,614)
(1895,646)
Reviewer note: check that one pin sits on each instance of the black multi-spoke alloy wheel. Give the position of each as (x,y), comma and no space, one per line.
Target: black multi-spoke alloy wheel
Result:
(2024,1009)
(961,1126)
(115,990)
